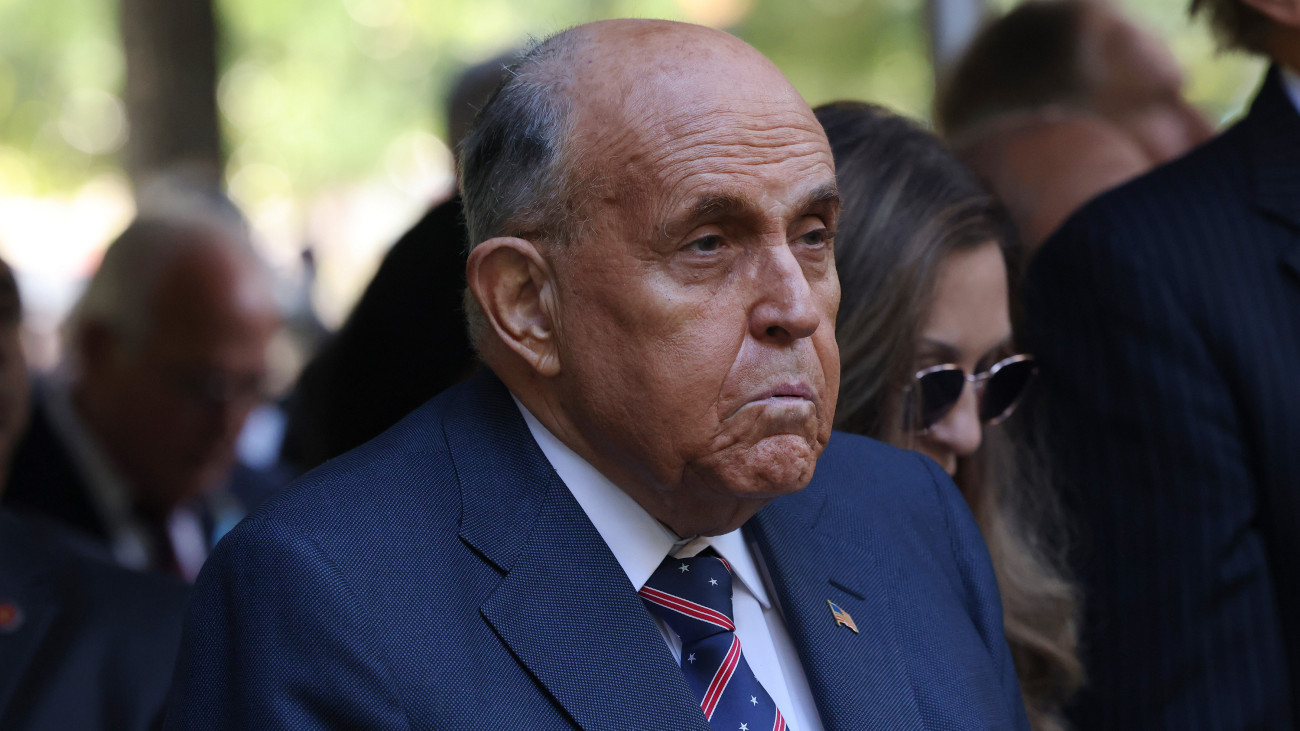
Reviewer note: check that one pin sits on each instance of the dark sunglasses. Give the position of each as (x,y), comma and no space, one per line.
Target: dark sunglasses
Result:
(939,388)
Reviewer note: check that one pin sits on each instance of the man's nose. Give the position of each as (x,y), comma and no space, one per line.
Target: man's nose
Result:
(787,307)
(960,430)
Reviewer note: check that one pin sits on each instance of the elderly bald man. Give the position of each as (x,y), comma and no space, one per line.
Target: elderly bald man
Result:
(616,525)
(132,440)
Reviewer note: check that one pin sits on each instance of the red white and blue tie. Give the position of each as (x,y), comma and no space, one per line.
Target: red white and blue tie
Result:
(693,596)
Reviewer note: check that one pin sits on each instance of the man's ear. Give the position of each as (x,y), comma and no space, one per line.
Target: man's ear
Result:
(1282,12)
(515,289)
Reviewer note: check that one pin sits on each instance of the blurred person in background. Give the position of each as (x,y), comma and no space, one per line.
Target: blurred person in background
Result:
(1043,165)
(85,644)
(15,388)
(924,310)
(132,439)
(402,344)
(1166,316)
(1059,100)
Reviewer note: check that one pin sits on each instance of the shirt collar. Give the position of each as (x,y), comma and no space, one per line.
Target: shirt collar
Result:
(638,541)
(1291,81)
(733,548)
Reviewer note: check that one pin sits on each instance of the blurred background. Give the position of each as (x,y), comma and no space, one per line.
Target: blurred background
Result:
(328,128)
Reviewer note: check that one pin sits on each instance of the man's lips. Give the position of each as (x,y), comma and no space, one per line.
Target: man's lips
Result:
(786,391)
(781,395)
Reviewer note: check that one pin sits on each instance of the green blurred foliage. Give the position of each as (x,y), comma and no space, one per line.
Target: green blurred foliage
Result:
(319,89)
(848,49)
(313,92)
(52,54)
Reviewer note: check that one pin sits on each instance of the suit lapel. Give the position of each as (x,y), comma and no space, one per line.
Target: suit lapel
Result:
(1275,164)
(568,613)
(564,608)
(859,680)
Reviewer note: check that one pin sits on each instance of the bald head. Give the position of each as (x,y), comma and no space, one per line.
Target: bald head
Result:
(170,344)
(153,250)
(627,63)
(529,155)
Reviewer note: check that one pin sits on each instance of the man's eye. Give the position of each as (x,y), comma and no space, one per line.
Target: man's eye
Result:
(706,244)
(818,238)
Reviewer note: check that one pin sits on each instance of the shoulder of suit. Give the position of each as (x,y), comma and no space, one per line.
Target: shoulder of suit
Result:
(857,471)
(1214,173)
(1142,220)
(407,465)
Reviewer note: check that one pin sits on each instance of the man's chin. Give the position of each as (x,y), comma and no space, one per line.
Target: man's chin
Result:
(776,465)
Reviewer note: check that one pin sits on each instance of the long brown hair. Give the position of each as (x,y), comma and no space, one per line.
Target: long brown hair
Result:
(908,203)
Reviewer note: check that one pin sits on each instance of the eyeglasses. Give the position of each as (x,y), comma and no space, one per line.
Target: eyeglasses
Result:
(207,388)
(938,389)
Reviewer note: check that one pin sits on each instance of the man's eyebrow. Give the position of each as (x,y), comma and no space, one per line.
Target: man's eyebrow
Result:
(725,205)
(707,207)
(718,205)
(820,197)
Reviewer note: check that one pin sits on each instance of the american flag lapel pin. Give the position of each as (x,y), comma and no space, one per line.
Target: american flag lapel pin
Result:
(11,616)
(842,617)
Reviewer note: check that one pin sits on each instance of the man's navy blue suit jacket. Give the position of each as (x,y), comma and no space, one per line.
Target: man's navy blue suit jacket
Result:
(1166,320)
(443,577)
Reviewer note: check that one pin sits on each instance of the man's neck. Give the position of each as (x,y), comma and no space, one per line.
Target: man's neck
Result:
(685,511)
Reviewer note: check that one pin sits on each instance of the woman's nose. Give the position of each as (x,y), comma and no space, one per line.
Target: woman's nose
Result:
(960,430)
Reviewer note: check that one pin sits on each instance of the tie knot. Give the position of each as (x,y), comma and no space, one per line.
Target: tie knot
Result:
(691,595)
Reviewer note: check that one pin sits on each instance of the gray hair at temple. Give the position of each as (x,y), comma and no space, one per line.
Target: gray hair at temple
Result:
(515,163)
(471,91)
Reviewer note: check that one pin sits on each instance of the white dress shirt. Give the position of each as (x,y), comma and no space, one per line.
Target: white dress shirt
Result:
(1291,80)
(641,543)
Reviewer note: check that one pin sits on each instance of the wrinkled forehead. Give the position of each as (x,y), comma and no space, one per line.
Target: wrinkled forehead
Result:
(682,110)
(675,80)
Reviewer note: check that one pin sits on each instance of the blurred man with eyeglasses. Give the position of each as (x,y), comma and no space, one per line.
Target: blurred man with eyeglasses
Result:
(165,356)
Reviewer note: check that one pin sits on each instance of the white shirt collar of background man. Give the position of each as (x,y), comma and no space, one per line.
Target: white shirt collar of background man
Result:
(1291,80)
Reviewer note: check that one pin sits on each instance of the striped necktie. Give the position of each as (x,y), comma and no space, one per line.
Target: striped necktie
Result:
(693,597)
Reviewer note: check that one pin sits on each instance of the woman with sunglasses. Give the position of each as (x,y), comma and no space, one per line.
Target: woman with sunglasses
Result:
(929,363)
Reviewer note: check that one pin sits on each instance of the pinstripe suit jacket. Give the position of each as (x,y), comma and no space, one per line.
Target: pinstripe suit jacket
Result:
(443,577)
(1166,316)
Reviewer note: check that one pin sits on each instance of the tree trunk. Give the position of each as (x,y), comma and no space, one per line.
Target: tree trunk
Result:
(171,84)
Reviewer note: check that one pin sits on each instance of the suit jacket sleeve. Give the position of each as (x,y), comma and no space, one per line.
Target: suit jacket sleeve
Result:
(275,640)
(1149,445)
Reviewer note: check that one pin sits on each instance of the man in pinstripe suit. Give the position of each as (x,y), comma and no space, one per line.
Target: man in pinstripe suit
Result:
(1166,316)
